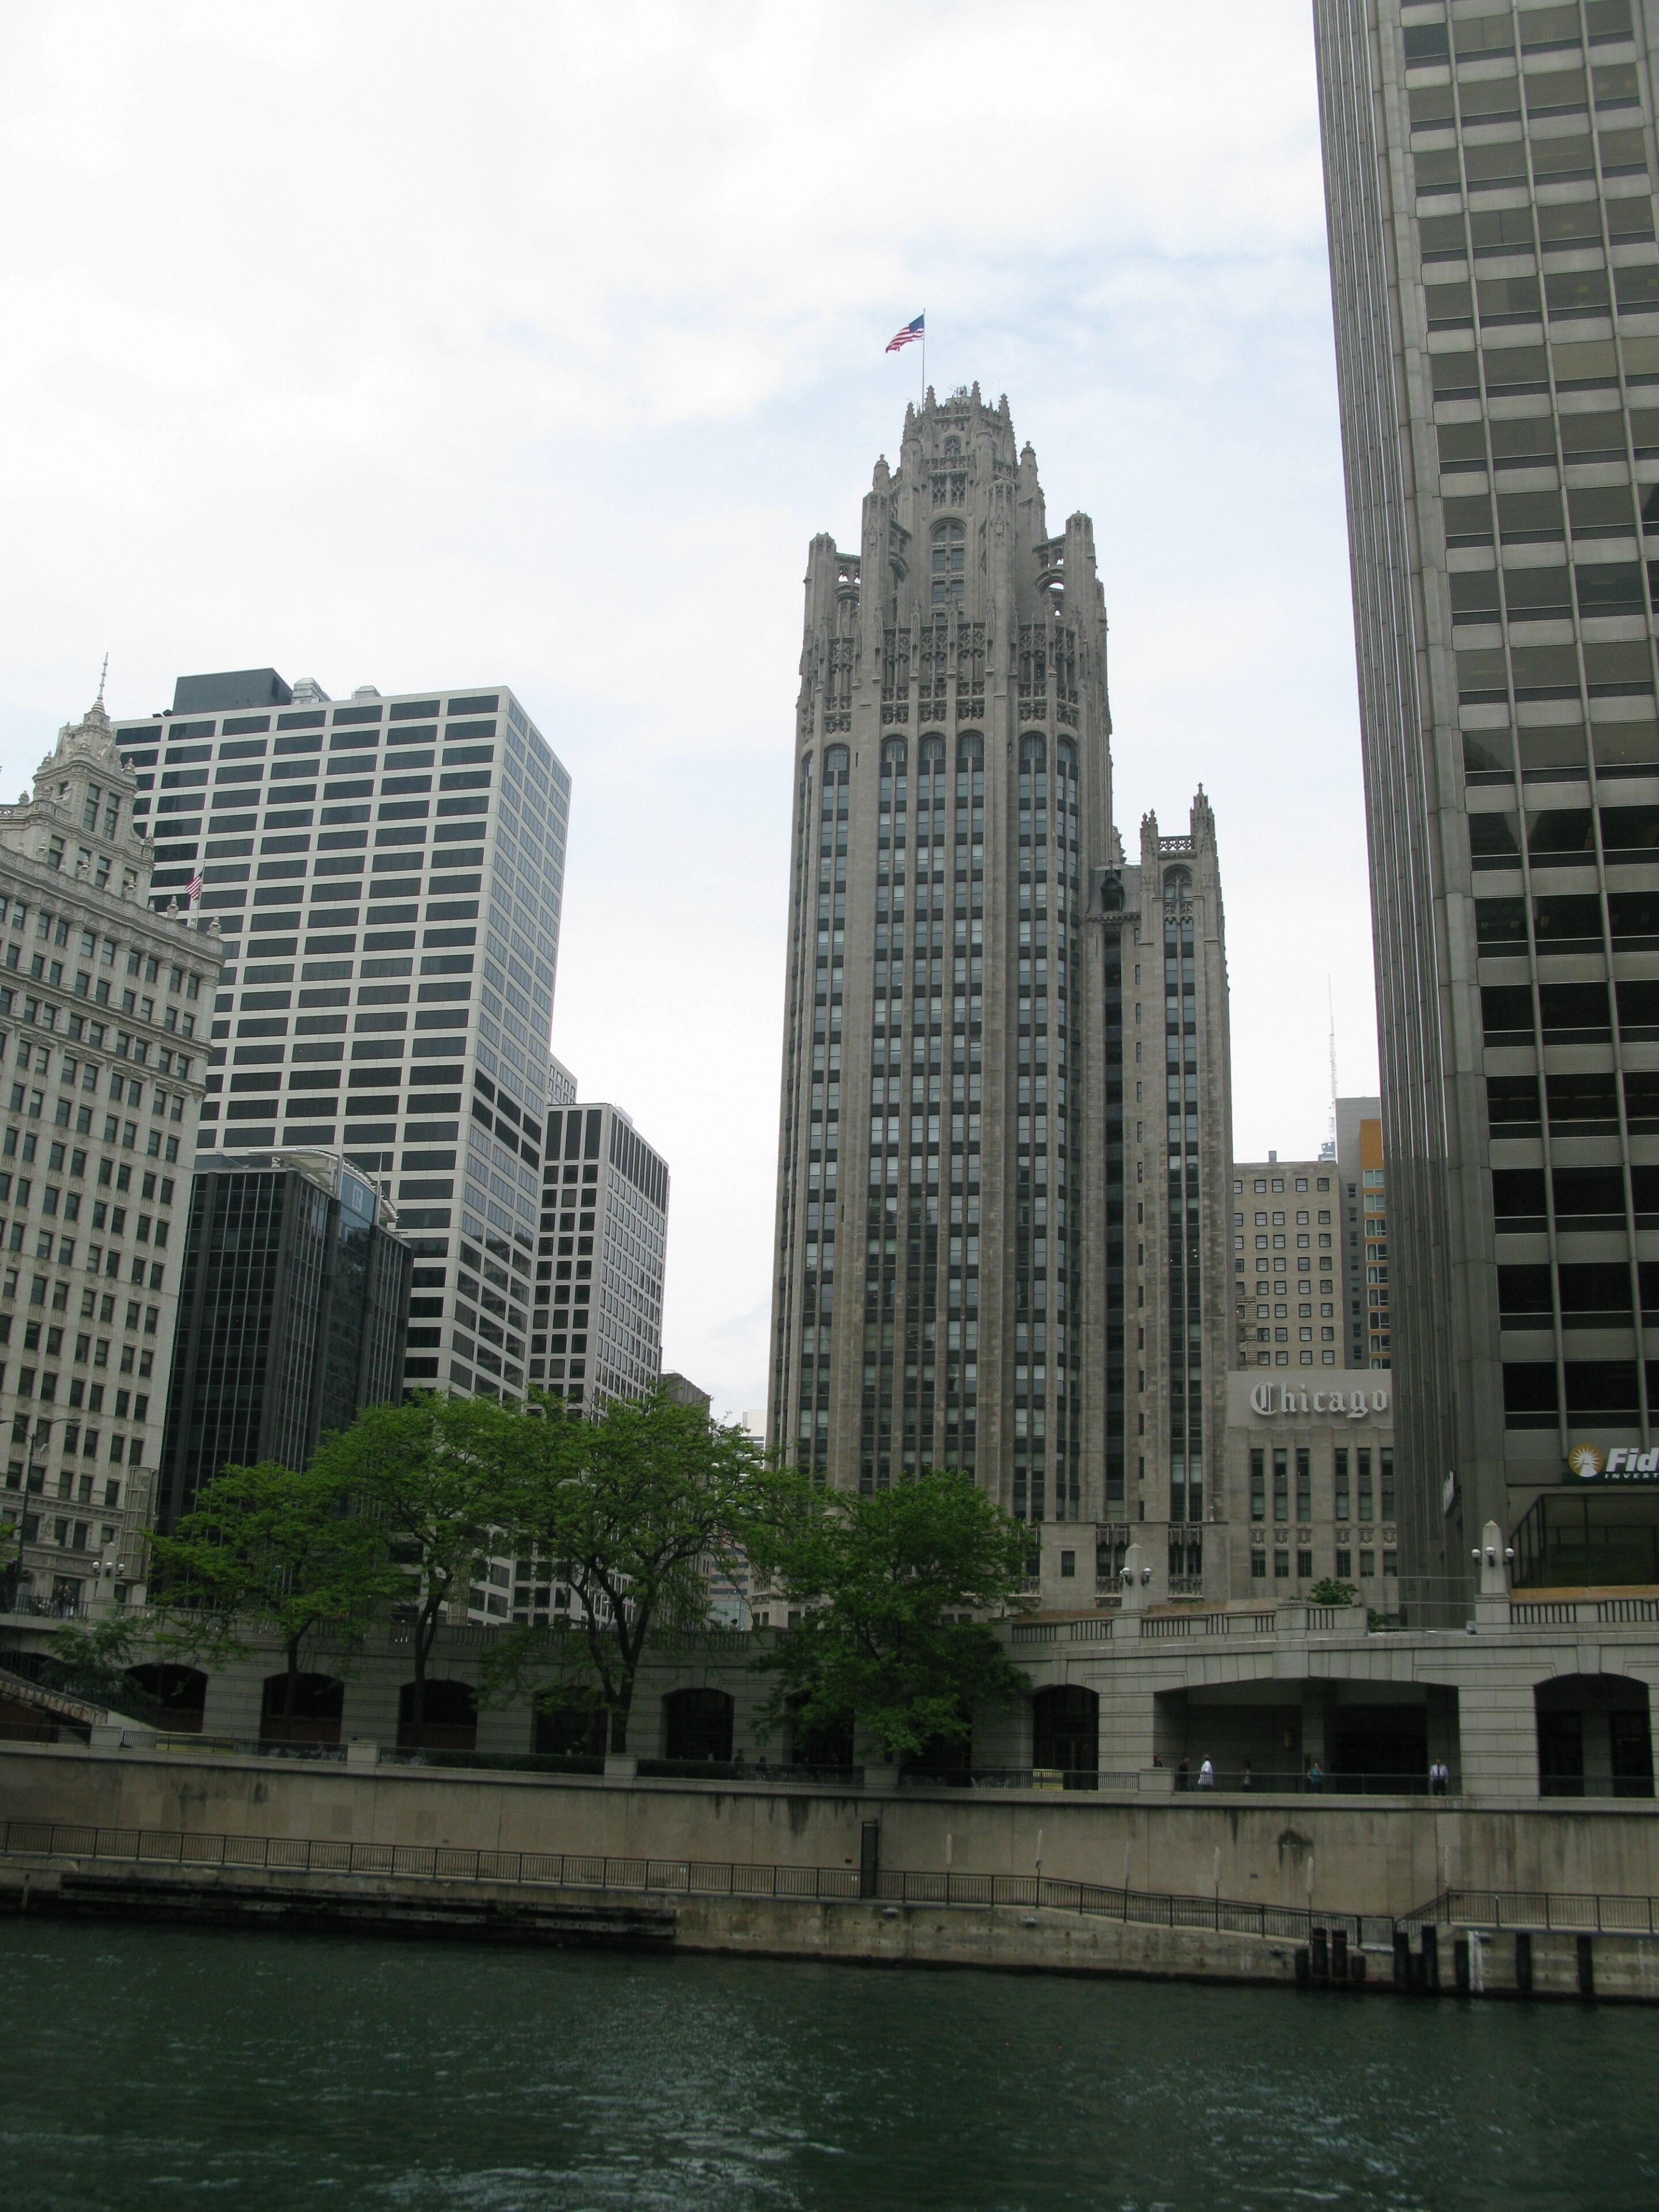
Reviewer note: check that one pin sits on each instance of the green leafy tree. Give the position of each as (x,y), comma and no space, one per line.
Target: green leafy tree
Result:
(92,1663)
(1331,1592)
(881,1581)
(639,1504)
(265,1543)
(434,1478)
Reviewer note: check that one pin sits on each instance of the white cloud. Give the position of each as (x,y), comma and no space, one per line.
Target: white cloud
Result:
(412,345)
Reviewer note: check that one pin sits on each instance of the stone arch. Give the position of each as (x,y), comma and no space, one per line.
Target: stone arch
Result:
(311,1714)
(570,1730)
(449,1717)
(1594,1736)
(697,1724)
(1066,1729)
(181,1690)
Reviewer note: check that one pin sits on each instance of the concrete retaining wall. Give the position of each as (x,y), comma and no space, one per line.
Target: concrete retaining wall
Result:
(1353,1855)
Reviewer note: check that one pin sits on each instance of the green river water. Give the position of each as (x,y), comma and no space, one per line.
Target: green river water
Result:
(144,2067)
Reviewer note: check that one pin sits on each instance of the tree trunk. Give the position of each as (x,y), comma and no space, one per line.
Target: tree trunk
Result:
(426,1635)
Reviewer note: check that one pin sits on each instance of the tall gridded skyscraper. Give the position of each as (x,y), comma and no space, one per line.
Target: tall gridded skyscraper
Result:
(1489,173)
(388,876)
(975,1257)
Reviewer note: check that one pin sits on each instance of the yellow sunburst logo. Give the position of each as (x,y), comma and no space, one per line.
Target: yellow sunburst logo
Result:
(1584,1460)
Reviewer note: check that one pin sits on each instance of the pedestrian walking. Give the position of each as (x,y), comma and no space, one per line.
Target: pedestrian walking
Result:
(1316,1775)
(1206,1775)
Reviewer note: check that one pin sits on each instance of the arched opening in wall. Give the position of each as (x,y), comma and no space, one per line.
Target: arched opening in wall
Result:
(697,1724)
(1594,1736)
(181,1691)
(571,1730)
(301,1709)
(449,1717)
(1065,1729)
(828,1743)
(895,757)
(1177,886)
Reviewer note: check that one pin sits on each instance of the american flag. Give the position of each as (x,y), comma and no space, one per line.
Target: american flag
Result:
(194,887)
(912,334)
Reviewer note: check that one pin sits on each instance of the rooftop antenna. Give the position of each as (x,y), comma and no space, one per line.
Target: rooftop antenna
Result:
(102,677)
(1330,1001)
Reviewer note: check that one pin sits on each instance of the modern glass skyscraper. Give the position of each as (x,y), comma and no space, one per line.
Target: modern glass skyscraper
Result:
(291,1317)
(1489,175)
(1002,1217)
(388,875)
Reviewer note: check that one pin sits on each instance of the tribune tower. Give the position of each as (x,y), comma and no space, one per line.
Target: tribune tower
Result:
(963,1241)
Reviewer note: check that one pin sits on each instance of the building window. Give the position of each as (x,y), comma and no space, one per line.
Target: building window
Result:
(1281,1566)
(1281,1484)
(949,562)
(1258,1485)
(1304,1566)
(1258,1566)
(1344,1565)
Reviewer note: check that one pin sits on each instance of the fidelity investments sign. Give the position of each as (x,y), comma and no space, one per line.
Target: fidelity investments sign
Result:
(1623,1463)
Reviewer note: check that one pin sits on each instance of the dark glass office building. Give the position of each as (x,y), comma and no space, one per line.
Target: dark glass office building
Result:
(293,1312)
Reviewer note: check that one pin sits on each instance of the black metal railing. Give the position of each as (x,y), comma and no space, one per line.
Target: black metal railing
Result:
(1290,1781)
(188,1743)
(1014,1778)
(1577,1913)
(499,1762)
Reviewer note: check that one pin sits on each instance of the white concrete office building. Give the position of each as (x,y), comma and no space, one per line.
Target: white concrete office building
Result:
(387,873)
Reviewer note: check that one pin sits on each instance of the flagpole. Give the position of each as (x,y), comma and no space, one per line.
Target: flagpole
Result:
(924,356)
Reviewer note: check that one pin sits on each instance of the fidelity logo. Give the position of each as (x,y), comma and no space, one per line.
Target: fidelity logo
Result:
(1620,1463)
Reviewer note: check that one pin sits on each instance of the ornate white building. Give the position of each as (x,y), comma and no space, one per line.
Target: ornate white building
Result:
(105,1011)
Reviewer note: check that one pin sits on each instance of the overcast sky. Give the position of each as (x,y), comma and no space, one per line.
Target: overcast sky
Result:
(427,346)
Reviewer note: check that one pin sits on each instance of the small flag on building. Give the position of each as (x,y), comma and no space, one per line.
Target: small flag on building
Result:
(912,334)
(194,887)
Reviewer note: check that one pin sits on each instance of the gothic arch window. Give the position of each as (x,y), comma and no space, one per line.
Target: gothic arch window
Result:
(949,562)
(933,754)
(1177,885)
(1033,752)
(893,752)
(970,750)
(952,447)
(836,759)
